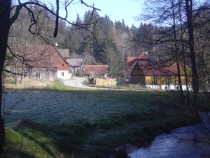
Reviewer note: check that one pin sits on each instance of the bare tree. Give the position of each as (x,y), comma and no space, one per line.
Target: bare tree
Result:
(6,21)
(178,17)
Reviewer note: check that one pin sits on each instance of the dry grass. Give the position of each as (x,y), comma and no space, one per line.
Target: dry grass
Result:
(29,83)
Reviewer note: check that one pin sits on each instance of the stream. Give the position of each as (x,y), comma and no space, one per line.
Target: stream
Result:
(190,141)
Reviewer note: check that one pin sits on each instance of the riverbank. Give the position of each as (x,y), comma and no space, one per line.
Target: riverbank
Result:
(189,141)
(88,123)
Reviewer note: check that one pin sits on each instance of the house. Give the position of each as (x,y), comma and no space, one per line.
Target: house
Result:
(94,70)
(44,62)
(76,65)
(153,74)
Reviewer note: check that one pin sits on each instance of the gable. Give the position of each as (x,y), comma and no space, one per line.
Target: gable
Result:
(136,70)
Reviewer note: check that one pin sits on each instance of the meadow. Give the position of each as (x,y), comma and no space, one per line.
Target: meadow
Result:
(84,123)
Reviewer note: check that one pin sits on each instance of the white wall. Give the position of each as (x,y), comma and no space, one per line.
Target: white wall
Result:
(168,87)
(66,74)
(153,86)
(174,87)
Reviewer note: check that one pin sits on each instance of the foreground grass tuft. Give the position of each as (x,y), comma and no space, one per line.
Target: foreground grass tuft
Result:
(27,141)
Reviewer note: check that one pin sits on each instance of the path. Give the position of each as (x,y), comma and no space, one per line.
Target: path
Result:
(77,82)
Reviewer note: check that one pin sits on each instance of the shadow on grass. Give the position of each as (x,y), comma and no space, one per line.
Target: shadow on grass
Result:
(55,140)
(16,153)
(153,114)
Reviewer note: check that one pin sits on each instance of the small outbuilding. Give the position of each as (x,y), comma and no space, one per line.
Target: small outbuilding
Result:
(103,82)
(76,65)
(94,70)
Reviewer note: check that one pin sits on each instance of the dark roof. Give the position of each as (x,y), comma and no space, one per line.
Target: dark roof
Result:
(95,69)
(75,62)
(63,52)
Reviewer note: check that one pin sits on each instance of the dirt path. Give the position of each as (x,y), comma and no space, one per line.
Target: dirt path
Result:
(77,82)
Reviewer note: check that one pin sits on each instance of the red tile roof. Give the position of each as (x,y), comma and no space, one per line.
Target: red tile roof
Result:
(154,68)
(95,69)
(131,60)
(43,56)
(148,67)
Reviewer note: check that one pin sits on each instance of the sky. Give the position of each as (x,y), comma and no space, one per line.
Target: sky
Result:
(128,10)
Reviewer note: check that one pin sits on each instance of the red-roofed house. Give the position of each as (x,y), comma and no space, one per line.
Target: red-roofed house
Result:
(44,62)
(94,70)
(153,74)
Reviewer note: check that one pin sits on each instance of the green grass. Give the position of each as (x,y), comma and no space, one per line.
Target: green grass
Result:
(10,80)
(130,86)
(98,122)
(27,142)
(58,85)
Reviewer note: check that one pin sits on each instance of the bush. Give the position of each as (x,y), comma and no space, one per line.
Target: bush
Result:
(78,72)
(11,81)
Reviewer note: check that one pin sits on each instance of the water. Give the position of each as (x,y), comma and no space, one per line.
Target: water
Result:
(190,141)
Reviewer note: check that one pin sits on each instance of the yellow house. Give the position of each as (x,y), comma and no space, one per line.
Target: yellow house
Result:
(155,75)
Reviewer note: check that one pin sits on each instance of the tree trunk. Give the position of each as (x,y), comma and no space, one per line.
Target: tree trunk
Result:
(177,51)
(195,83)
(179,80)
(186,79)
(4,31)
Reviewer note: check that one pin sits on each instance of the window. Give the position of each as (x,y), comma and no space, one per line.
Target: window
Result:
(62,73)
(155,80)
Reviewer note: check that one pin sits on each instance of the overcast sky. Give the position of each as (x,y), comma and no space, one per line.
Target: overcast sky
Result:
(115,9)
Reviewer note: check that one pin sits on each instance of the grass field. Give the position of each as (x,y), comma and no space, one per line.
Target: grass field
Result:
(76,123)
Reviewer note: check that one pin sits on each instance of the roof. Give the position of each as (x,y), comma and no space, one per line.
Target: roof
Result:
(148,67)
(63,52)
(43,56)
(75,62)
(155,68)
(95,69)
(132,60)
